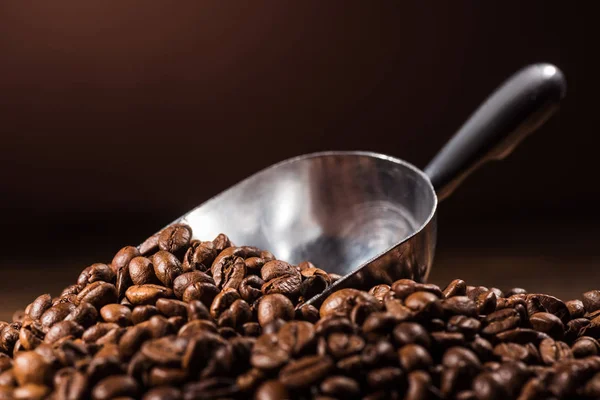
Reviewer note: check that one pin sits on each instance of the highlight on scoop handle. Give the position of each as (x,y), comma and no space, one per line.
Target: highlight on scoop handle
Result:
(516,109)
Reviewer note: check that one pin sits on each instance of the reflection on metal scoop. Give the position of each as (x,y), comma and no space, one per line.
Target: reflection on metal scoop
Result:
(367,216)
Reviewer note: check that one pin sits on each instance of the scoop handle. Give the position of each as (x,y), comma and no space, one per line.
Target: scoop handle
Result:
(516,109)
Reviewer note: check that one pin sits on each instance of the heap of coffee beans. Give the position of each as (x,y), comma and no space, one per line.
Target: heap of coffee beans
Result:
(177,318)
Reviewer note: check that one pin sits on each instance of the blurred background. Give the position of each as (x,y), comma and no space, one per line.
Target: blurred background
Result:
(117,117)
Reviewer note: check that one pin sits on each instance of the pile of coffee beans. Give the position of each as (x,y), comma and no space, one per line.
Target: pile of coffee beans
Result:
(177,318)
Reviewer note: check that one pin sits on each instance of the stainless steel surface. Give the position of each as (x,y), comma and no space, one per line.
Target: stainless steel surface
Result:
(367,216)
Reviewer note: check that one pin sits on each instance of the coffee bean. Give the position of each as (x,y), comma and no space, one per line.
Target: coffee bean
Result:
(30,367)
(167,350)
(552,351)
(457,287)
(202,291)
(55,314)
(195,327)
(115,386)
(522,335)
(501,320)
(197,310)
(550,304)
(96,273)
(95,332)
(166,267)
(98,294)
(425,303)
(411,333)
(186,279)
(340,386)
(465,325)
(171,307)
(62,329)
(133,339)
(40,305)
(221,242)
(413,357)
(141,271)
(585,346)
(267,354)
(150,245)
(163,393)
(385,378)
(147,294)
(486,302)
(274,306)
(591,300)
(379,323)
(73,386)
(174,238)
(31,391)
(307,312)
(123,257)
(119,314)
(163,376)
(341,345)
(459,305)
(199,256)
(547,323)
(305,371)
(576,308)
(419,383)
(143,313)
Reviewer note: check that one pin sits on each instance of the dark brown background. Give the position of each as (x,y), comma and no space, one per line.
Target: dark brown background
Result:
(116,117)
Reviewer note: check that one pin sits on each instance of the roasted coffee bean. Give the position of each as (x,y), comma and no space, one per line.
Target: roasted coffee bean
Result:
(305,371)
(167,350)
(39,305)
(159,326)
(379,322)
(132,340)
(522,335)
(501,320)
(550,304)
(267,354)
(486,302)
(31,391)
(166,267)
(425,303)
(55,314)
(98,294)
(141,271)
(171,307)
(552,351)
(591,300)
(123,257)
(254,264)
(465,325)
(119,314)
(95,273)
(197,310)
(203,291)
(163,393)
(457,287)
(63,329)
(221,242)
(212,388)
(30,367)
(585,346)
(95,332)
(271,390)
(199,256)
(411,333)
(150,245)
(147,294)
(385,378)
(380,291)
(229,274)
(576,308)
(84,314)
(340,387)
(274,306)
(307,312)
(163,376)
(413,357)
(341,345)
(186,279)
(547,323)
(72,386)
(344,300)
(174,238)
(288,285)
(195,327)
(115,386)
(143,313)
(459,305)
(277,268)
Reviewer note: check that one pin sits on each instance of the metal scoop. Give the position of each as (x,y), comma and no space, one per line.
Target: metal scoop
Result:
(367,216)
